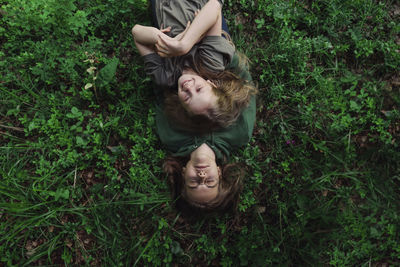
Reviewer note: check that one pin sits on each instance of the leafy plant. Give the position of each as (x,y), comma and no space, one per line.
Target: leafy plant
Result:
(81,179)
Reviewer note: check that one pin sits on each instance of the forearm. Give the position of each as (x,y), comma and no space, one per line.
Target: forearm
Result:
(145,49)
(207,22)
(145,35)
(145,38)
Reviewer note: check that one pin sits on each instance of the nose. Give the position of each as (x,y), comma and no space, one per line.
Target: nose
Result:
(189,86)
(201,174)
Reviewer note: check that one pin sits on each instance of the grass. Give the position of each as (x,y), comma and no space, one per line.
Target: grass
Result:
(80,169)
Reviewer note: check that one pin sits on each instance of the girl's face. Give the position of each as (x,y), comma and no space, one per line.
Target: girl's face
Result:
(195,93)
(202,177)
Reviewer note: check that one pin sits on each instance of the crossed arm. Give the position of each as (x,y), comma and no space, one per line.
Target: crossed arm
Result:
(207,22)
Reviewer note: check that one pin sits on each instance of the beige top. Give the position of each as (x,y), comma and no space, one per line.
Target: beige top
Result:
(176,13)
(213,52)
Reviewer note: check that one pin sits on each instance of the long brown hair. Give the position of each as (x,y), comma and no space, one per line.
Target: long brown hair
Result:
(228,189)
(233,92)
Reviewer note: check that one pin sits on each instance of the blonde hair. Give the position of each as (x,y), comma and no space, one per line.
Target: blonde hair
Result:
(233,92)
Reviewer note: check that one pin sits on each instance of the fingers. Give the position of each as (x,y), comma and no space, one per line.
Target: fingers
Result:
(161,46)
(168,29)
(187,28)
(161,41)
(167,46)
(160,49)
(187,25)
(162,52)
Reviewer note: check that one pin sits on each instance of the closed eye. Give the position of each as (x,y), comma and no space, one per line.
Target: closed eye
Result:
(193,186)
(194,182)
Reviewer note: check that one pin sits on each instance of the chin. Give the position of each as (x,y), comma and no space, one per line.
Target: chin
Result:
(180,97)
(183,105)
(196,112)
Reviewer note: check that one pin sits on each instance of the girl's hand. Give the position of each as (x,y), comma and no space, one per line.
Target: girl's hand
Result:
(169,47)
(172,47)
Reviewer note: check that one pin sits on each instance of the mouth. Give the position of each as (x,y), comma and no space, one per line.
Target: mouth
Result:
(201,166)
(185,98)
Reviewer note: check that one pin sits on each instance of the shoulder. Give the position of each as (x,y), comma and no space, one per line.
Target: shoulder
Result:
(240,132)
(176,141)
(240,66)
(164,72)
(214,52)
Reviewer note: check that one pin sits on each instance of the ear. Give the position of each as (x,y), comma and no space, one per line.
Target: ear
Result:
(219,172)
(213,84)
(183,171)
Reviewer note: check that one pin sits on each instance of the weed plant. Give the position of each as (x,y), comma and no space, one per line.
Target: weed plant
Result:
(80,162)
